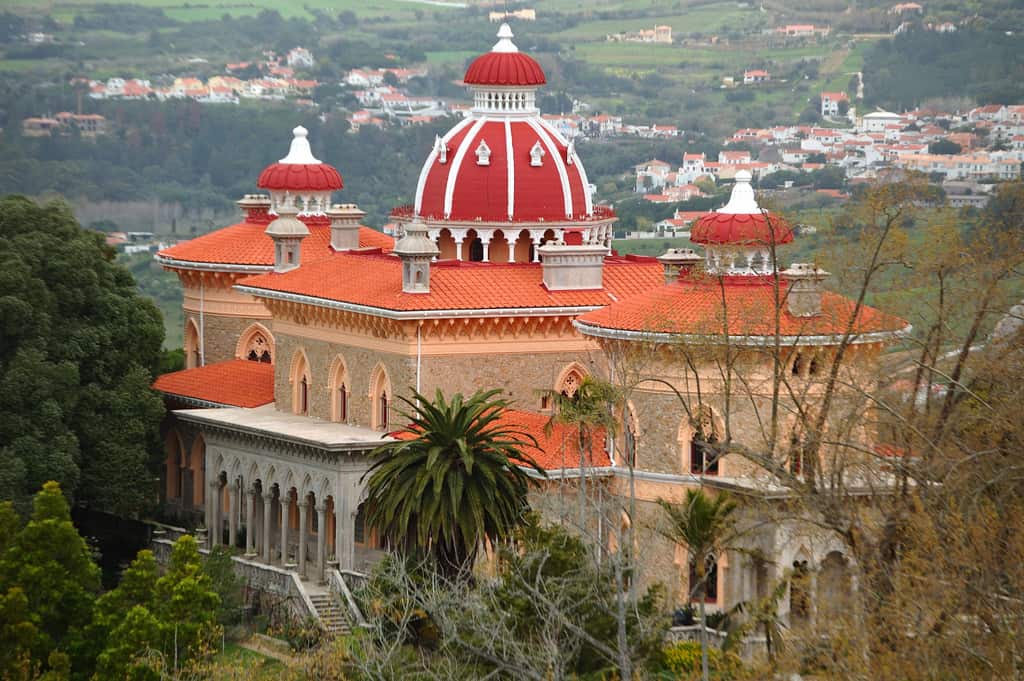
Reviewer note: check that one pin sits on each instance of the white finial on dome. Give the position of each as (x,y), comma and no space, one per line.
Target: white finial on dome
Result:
(505,43)
(741,201)
(300,153)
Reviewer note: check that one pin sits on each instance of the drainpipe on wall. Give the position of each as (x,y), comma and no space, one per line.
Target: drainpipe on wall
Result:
(202,321)
(419,355)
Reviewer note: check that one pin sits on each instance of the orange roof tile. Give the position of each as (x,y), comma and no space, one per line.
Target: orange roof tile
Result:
(374,279)
(236,382)
(246,244)
(693,306)
(554,451)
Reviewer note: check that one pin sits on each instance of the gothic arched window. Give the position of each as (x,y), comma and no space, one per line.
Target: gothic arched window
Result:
(704,454)
(710,584)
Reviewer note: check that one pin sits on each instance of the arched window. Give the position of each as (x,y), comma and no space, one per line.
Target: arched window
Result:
(798,364)
(704,454)
(301,380)
(192,351)
(799,594)
(813,366)
(629,439)
(384,413)
(340,388)
(258,349)
(709,588)
(796,454)
(476,250)
(381,395)
(359,527)
(570,381)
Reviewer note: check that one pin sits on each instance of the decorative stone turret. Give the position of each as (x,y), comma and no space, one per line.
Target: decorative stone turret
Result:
(287,231)
(300,179)
(345,219)
(416,252)
(571,268)
(740,238)
(255,208)
(804,297)
(678,261)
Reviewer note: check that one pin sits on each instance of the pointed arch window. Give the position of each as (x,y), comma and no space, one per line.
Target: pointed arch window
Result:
(383,416)
(710,584)
(704,454)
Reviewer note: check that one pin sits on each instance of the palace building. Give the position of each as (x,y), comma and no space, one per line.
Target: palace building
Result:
(303,328)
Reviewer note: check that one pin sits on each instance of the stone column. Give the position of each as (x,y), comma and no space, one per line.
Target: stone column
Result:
(458,248)
(250,529)
(268,505)
(285,503)
(321,540)
(233,513)
(214,503)
(487,249)
(345,506)
(303,504)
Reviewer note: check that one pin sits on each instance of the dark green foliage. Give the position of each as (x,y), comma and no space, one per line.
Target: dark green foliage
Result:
(48,583)
(219,567)
(984,65)
(78,348)
(455,482)
(944,147)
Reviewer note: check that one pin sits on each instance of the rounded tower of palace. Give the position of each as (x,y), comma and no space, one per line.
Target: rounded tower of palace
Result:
(502,182)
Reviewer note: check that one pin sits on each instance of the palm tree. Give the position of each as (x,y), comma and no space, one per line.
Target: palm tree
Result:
(457,475)
(703,526)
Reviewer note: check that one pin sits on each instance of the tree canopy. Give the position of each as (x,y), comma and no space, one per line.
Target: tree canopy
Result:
(78,348)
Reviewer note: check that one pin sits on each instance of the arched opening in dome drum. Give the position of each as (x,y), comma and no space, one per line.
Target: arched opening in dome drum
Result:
(498,248)
(473,247)
(448,250)
(523,251)
(549,235)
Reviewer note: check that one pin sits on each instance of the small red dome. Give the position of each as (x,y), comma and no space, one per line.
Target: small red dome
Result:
(504,68)
(740,229)
(300,177)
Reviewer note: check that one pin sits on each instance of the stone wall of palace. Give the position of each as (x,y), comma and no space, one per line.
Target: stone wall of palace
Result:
(221,333)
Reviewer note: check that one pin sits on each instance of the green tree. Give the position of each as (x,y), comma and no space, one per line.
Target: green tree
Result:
(455,478)
(49,563)
(945,147)
(186,603)
(702,525)
(78,347)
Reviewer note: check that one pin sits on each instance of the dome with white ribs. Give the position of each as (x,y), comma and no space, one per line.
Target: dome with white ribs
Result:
(503,163)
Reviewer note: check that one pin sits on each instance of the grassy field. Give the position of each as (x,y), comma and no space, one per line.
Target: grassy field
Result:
(709,18)
(255,666)
(212,9)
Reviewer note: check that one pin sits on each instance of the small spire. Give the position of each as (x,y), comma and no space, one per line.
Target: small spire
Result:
(505,43)
(741,201)
(299,153)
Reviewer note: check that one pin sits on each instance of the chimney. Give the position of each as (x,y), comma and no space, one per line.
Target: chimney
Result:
(345,218)
(255,208)
(572,268)
(678,262)
(287,231)
(804,297)
(416,251)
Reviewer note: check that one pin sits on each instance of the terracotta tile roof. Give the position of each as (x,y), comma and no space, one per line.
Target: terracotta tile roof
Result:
(694,306)
(554,451)
(236,382)
(246,244)
(374,279)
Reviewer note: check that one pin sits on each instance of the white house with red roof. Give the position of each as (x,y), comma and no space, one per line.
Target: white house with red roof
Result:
(303,329)
(830,102)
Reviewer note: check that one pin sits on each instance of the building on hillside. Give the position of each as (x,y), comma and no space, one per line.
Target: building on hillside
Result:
(303,329)
(754,76)
(906,8)
(300,58)
(803,30)
(39,126)
(87,125)
(830,102)
(876,121)
(525,14)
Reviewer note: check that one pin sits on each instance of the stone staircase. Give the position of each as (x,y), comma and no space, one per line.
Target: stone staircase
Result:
(331,613)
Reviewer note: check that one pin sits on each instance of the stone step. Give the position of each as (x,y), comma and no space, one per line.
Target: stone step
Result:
(331,614)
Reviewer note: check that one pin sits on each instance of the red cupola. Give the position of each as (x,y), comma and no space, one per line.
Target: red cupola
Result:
(299,171)
(505,65)
(741,222)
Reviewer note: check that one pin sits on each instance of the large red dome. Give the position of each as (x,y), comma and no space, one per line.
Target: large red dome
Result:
(503,170)
(504,68)
(300,171)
